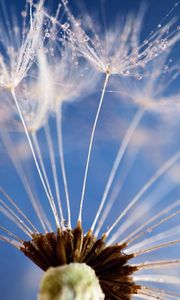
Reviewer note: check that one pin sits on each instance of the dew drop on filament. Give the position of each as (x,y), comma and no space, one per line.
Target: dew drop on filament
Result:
(139,77)
(125,72)
(65,2)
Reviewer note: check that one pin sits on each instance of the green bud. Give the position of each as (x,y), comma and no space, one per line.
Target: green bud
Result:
(74,281)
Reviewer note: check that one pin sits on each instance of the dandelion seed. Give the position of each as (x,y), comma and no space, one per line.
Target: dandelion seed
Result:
(20,50)
(120,53)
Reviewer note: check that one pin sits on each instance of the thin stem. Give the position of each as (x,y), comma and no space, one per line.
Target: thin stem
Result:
(144,297)
(156,278)
(132,236)
(157,264)
(6,212)
(155,197)
(36,144)
(168,234)
(35,159)
(157,237)
(118,160)
(18,209)
(31,16)
(113,197)
(41,162)
(61,155)
(11,234)
(149,183)
(22,175)
(156,248)
(10,241)
(91,143)
(156,293)
(54,170)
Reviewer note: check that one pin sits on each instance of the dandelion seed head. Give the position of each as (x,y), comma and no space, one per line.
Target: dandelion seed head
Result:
(51,84)
(18,49)
(120,50)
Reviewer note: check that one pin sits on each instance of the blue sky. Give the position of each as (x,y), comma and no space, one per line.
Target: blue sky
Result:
(18,276)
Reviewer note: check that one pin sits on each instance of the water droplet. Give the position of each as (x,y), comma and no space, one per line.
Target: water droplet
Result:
(78,23)
(163,44)
(154,49)
(159,25)
(178,27)
(70,33)
(65,2)
(139,77)
(53,20)
(135,51)
(76,63)
(47,34)
(85,39)
(125,72)
(16,29)
(65,26)
(23,14)
(145,42)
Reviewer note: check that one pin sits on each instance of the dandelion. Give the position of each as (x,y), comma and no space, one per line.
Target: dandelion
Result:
(118,53)
(20,52)
(18,47)
(122,254)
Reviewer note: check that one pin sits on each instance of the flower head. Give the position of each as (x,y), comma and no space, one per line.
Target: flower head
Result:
(120,50)
(18,47)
